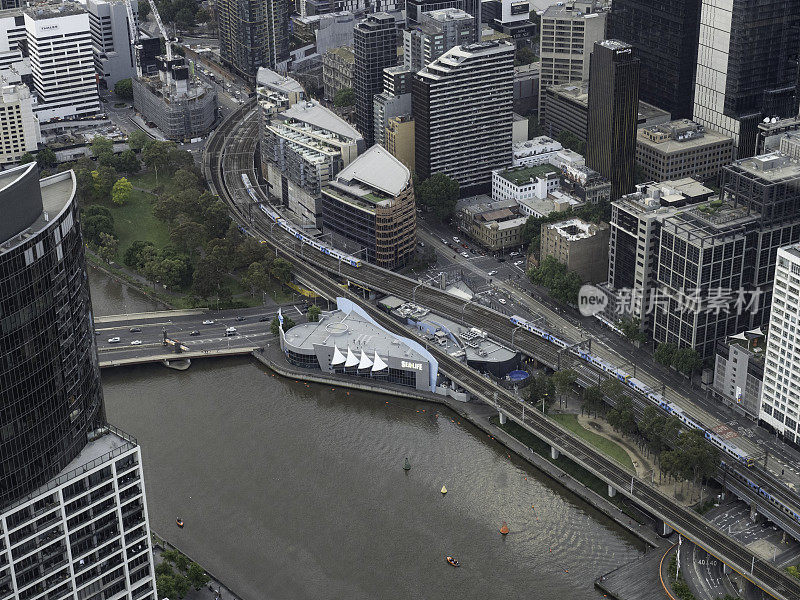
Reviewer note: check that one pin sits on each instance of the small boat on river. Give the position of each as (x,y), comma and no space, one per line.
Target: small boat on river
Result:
(453,561)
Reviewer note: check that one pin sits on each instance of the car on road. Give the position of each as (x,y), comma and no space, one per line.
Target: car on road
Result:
(240,318)
(492,273)
(421,244)
(444,241)
(501,300)
(136,343)
(263,319)
(208,322)
(135,330)
(195,333)
(501,259)
(465,255)
(456,240)
(517,263)
(113,340)
(514,253)
(230,331)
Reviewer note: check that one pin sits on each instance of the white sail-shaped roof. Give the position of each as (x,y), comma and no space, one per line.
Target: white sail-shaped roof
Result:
(378,364)
(365,362)
(352,360)
(338,357)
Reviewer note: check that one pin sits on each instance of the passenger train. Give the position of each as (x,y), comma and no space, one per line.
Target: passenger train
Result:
(639,387)
(285,225)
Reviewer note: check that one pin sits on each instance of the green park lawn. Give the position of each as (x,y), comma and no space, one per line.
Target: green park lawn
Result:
(135,221)
(607,447)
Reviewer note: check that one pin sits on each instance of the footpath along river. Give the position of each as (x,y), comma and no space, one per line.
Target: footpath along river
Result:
(291,491)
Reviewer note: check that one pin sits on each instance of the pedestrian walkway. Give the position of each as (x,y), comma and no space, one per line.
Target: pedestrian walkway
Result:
(638,580)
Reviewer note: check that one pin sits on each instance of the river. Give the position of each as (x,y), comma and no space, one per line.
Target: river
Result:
(294,491)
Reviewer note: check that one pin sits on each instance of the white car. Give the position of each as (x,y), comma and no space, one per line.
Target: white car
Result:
(208,322)
(514,254)
(492,273)
(518,263)
(501,300)
(114,340)
(136,343)
(465,255)
(456,240)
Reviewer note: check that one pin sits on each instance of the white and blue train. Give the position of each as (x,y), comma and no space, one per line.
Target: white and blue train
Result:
(639,387)
(286,226)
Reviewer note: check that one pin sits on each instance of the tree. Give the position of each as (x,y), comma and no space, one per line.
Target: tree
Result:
(216,218)
(524,56)
(563,284)
(188,236)
(138,138)
(137,253)
(282,270)
(121,192)
(207,279)
(108,246)
(257,278)
(686,361)
(156,155)
(344,97)
(541,388)
(27,158)
(124,89)
(165,585)
(196,576)
(592,399)
(313,313)
(102,146)
(631,328)
(438,194)
(102,182)
(665,353)
(46,158)
(144,11)
(96,224)
(621,417)
(572,141)
(164,568)
(127,162)
(534,128)
(564,381)
(287,324)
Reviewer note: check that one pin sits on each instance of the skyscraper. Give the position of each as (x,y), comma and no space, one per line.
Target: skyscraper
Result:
(568,33)
(72,498)
(613,110)
(114,56)
(253,34)
(664,35)
(462,106)
(375,48)
(746,67)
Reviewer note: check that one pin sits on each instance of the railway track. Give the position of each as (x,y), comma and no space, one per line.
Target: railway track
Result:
(224,162)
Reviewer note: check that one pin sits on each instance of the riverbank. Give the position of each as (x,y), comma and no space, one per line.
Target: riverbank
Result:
(478,414)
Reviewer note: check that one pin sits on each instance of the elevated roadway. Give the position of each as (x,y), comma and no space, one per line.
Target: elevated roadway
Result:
(230,152)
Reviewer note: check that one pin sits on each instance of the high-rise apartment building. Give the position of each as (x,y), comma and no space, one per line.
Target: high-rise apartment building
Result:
(62,61)
(780,395)
(613,112)
(253,34)
(436,33)
(746,67)
(462,105)
(19,127)
(664,35)
(114,56)
(730,244)
(72,499)
(569,31)
(375,48)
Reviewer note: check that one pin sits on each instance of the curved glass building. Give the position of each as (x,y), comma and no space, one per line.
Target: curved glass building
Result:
(50,395)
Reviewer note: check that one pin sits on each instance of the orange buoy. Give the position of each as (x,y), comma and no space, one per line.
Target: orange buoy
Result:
(504,528)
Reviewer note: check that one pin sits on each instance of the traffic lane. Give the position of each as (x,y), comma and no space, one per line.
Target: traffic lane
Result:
(223,316)
(155,335)
(210,343)
(707,574)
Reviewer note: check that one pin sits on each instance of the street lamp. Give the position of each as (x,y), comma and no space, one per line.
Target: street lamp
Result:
(463,308)
(414,293)
(515,330)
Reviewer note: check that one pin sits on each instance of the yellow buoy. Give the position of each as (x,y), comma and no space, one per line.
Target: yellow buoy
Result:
(444,490)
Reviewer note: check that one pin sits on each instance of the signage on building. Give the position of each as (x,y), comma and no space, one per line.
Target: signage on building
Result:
(411,365)
(520,8)
(48,27)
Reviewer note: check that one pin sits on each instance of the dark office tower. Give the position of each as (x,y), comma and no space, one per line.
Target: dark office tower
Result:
(462,104)
(746,67)
(415,8)
(375,48)
(613,110)
(50,395)
(664,35)
(253,34)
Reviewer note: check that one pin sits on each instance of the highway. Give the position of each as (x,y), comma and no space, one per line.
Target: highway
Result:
(230,152)
(252,331)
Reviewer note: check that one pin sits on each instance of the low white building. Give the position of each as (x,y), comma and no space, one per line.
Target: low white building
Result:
(19,127)
(524,183)
(537,151)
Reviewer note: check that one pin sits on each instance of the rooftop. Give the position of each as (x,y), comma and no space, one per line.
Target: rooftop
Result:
(563,10)
(350,331)
(343,52)
(447,14)
(312,112)
(576,229)
(664,198)
(773,167)
(680,135)
(525,174)
(615,45)
(54,9)
(378,169)
(276,81)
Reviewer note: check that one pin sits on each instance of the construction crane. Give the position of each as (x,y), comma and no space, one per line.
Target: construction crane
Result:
(167,40)
(134,31)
